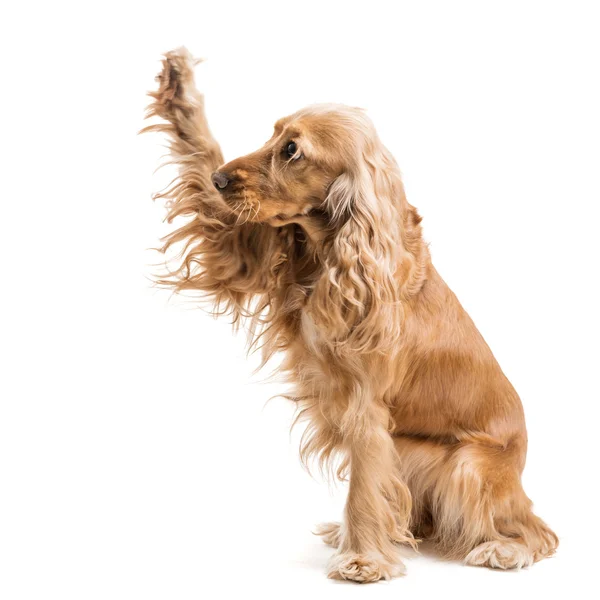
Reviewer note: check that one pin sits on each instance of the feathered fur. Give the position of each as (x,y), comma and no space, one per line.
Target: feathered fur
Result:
(316,246)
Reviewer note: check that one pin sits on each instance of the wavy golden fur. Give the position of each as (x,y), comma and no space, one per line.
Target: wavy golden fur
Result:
(312,240)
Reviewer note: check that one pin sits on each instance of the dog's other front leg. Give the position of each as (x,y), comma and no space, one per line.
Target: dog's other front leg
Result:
(181,105)
(377,508)
(228,261)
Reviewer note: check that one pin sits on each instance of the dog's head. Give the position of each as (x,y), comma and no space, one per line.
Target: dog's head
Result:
(327,164)
(295,171)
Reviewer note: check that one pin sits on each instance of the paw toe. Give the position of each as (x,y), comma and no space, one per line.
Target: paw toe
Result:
(500,555)
(177,73)
(363,568)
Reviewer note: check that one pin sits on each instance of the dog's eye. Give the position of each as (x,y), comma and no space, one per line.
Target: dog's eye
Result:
(291,149)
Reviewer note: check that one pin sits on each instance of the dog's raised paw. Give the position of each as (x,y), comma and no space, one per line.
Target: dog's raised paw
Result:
(363,568)
(177,75)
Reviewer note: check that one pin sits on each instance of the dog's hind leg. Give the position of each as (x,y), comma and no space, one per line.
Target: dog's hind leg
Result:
(516,536)
(468,498)
(480,511)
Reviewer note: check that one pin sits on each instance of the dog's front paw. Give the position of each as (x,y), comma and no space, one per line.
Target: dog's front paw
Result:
(363,568)
(176,77)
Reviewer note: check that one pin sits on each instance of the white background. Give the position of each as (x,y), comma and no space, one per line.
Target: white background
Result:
(137,458)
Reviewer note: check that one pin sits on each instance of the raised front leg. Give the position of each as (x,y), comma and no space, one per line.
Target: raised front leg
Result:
(178,102)
(377,509)
(229,262)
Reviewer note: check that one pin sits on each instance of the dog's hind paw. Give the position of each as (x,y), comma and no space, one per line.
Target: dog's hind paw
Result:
(330,532)
(500,555)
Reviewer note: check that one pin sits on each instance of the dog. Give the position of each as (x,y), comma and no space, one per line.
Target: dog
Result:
(311,241)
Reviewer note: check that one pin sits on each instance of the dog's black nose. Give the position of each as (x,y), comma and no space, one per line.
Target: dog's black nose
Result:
(220,180)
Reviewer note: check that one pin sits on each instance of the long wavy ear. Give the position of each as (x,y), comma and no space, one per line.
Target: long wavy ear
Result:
(374,259)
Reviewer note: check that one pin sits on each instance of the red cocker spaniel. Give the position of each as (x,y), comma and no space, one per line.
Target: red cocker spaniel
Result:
(311,239)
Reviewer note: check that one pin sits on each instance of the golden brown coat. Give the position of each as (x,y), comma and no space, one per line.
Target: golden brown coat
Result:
(312,239)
